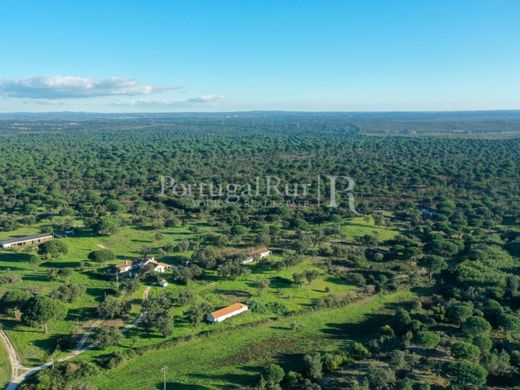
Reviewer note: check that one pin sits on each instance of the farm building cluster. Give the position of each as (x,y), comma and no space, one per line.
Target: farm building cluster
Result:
(129,267)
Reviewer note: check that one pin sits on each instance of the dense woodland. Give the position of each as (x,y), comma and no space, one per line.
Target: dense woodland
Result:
(453,201)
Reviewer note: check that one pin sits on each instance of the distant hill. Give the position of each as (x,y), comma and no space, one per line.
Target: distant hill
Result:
(499,115)
(482,123)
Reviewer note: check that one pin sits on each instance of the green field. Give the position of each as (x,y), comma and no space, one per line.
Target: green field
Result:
(228,360)
(432,252)
(360,226)
(5,368)
(34,346)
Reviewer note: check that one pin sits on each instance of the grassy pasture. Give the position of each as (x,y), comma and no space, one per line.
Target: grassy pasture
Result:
(234,358)
(35,347)
(5,368)
(360,226)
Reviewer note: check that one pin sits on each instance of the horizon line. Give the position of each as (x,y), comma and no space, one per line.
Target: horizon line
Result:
(266,111)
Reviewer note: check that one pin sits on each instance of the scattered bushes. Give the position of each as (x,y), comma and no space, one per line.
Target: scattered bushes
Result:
(68,292)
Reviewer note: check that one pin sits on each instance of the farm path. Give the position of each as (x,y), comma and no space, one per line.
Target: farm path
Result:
(19,372)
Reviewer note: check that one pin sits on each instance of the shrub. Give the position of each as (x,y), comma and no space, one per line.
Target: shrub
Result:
(427,339)
(65,375)
(380,378)
(273,374)
(257,307)
(106,337)
(68,292)
(313,366)
(52,249)
(333,361)
(458,313)
(483,342)
(465,351)
(101,256)
(293,378)
(277,308)
(475,326)
(358,351)
(466,373)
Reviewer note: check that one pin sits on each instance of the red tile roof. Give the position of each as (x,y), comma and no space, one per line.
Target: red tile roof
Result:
(126,264)
(227,310)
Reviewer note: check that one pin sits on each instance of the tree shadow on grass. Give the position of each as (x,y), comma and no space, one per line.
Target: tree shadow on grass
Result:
(84,232)
(12,324)
(81,313)
(181,320)
(123,257)
(319,291)
(178,233)
(209,277)
(203,224)
(60,264)
(135,301)
(401,305)
(11,268)
(236,380)
(13,257)
(179,386)
(430,353)
(291,361)
(134,332)
(36,278)
(336,280)
(141,241)
(359,330)
(145,228)
(50,343)
(97,292)
(174,259)
(423,290)
(234,294)
(279,282)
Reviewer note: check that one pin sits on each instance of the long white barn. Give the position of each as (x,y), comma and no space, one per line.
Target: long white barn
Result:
(28,240)
(226,312)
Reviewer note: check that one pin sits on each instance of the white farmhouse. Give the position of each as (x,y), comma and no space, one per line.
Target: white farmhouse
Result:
(138,264)
(226,312)
(160,267)
(258,253)
(124,267)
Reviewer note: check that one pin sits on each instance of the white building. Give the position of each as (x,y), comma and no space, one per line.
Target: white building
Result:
(254,254)
(160,267)
(28,240)
(127,266)
(226,312)
(138,264)
(163,283)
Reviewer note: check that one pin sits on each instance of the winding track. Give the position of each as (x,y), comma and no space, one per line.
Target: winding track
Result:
(20,373)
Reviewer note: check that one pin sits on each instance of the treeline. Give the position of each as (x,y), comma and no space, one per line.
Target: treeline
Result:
(92,172)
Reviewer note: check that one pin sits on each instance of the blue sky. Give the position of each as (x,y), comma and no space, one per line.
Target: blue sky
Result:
(218,55)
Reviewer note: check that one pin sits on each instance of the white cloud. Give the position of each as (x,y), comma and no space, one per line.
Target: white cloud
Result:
(205,99)
(62,87)
(201,100)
